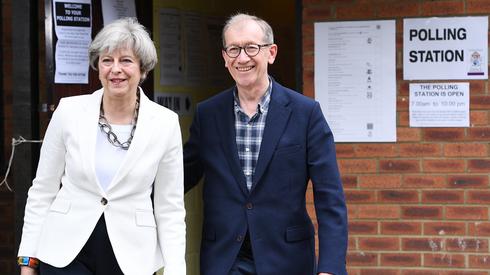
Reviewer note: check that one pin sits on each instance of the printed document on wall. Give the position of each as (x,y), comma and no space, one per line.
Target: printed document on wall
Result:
(445,48)
(171,47)
(115,9)
(439,104)
(73,27)
(355,79)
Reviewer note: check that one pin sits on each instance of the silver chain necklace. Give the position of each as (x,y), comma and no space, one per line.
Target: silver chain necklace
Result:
(107,129)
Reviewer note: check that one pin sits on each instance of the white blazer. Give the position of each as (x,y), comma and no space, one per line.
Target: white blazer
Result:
(58,221)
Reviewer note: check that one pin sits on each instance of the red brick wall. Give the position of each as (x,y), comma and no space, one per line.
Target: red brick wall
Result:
(420,205)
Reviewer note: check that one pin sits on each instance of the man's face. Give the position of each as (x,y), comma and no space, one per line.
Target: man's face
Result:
(248,72)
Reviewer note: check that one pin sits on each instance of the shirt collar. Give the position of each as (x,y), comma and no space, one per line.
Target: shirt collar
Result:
(263,103)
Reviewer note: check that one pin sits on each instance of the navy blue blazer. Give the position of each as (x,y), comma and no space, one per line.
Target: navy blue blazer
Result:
(297,146)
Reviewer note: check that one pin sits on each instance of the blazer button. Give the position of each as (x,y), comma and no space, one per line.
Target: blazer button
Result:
(103,201)
(249,206)
(239,238)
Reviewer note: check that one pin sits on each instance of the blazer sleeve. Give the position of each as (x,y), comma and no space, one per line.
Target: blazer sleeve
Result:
(46,184)
(328,195)
(193,169)
(169,204)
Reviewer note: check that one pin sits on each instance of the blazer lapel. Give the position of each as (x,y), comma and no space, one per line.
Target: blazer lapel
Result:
(142,134)
(277,118)
(226,128)
(88,127)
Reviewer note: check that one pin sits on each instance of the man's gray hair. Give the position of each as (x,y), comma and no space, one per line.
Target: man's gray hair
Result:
(236,18)
(125,33)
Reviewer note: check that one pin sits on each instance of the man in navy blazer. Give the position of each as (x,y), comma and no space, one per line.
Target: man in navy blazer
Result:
(258,144)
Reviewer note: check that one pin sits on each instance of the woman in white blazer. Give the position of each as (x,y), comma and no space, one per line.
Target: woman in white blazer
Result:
(89,210)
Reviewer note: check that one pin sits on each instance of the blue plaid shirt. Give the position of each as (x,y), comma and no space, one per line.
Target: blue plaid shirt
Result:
(249,133)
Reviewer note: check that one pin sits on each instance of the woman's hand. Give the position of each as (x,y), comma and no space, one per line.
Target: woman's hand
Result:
(25,270)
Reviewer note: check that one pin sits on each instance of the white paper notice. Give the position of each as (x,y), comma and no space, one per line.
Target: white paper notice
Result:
(355,79)
(195,61)
(73,27)
(115,9)
(439,105)
(445,48)
(181,103)
(171,63)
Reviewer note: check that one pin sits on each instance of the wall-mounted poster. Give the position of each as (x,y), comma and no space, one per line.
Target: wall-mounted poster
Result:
(73,27)
(115,9)
(445,48)
(355,79)
(439,104)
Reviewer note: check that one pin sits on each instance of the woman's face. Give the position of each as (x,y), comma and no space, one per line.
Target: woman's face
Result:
(119,72)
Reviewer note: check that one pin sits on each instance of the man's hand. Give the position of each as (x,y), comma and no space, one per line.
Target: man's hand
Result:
(25,270)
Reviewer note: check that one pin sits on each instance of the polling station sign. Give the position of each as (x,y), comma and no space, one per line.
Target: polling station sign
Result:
(445,48)
(71,14)
(73,28)
(440,104)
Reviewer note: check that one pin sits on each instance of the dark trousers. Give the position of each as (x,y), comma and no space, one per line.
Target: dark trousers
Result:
(244,263)
(95,258)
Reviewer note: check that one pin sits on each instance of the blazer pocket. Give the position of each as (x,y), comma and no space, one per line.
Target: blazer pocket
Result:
(60,206)
(285,150)
(299,233)
(145,218)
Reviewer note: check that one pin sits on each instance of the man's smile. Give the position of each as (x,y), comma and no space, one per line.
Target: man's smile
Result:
(245,69)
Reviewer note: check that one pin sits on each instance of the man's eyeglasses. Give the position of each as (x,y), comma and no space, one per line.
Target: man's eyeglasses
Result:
(251,50)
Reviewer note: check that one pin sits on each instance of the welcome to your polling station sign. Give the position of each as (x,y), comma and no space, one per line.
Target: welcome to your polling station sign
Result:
(445,48)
